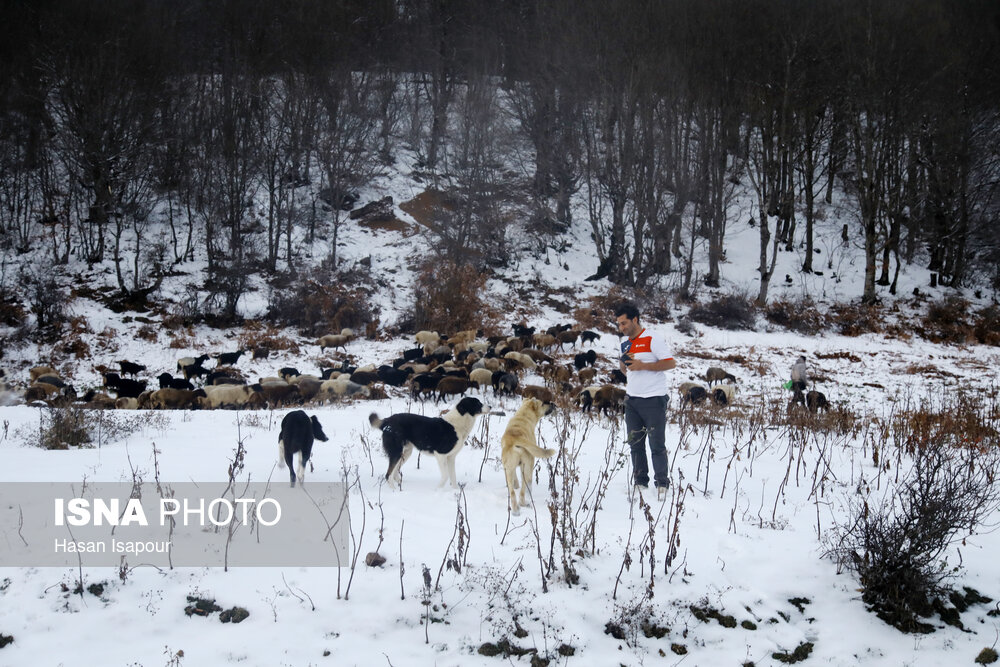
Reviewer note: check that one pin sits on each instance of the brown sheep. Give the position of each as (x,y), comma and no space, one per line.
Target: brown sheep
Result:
(587,375)
(276,395)
(716,374)
(174,399)
(567,337)
(39,371)
(610,398)
(543,341)
(537,355)
(544,394)
(449,385)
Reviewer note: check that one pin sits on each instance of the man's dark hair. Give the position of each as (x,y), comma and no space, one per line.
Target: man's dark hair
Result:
(628,309)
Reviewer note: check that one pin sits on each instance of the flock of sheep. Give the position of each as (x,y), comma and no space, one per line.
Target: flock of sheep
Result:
(438,367)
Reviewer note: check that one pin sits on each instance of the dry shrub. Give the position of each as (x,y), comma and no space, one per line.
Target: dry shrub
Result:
(987,326)
(62,428)
(654,305)
(182,340)
(963,420)
(258,334)
(800,316)
(946,321)
(321,302)
(856,319)
(729,311)
(449,297)
(148,332)
(12,313)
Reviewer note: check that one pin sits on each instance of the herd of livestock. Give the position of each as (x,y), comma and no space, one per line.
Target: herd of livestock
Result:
(436,368)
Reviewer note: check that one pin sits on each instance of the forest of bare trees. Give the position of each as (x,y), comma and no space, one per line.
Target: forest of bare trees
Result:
(646,117)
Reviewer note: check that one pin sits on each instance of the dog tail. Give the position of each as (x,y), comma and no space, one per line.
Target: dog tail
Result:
(536,451)
(375,421)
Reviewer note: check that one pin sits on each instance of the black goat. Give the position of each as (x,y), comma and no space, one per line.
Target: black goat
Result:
(584,359)
(129,368)
(229,358)
(130,388)
(393,376)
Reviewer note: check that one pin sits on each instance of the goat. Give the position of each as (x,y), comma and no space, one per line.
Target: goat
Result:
(584,359)
(130,368)
(189,361)
(816,400)
(569,336)
(610,398)
(287,372)
(393,376)
(130,388)
(195,370)
(229,358)
(587,375)
(298,432)
(588,337)
(523,330)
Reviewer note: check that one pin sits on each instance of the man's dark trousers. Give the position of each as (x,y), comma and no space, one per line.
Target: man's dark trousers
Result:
(647,416)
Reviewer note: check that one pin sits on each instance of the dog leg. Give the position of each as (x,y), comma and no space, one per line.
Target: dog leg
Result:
(302,468)
(442,462)
(281,453)
(510,472)
(527,470)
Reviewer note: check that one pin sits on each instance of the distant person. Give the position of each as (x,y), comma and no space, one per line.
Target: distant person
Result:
(799,376)
(644,358)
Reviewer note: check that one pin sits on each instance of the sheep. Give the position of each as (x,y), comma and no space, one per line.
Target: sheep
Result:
(504,383)
(300,378)
(482,377)
(543,341)
(716,374)
(557,329)
(227,396)
(40,391)
(537,355)
(423,383)
(127,403)
(271,380)
(261,352)
(309,386)
(557,374)
(479,346)
(466,336)
(130,368)
(693,393)
(521,360)
(334,341)
(450,385)
(298,431)
(226,376)
(98,401)
(39,371)
(584,359)
(349,332)
(173,399)
(567,337)
(587,375)
(544,394)
(617,377)
(610,398)
(54,380)
(341,386)
(588,337)
(275,394)
(229,358)
(191,361)
(426,338)
(723,394)
(514,345)
(491,363)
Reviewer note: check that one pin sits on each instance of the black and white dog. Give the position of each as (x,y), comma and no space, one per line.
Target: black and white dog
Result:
(442,436)
(298,431)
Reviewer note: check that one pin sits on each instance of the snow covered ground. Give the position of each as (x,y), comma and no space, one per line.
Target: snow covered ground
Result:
(750,511)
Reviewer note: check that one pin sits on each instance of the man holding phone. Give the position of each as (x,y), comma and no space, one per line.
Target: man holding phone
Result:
(644,358)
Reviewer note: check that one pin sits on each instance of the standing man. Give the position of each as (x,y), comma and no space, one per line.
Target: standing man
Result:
(644,357)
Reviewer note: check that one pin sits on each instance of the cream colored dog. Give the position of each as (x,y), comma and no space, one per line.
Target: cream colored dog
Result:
(519,448)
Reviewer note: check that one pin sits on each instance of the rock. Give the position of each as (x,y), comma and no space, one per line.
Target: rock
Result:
(374,211)
(374,559)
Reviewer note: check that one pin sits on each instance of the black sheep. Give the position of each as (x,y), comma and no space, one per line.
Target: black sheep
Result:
(298,431)
(393,376)
(130,388)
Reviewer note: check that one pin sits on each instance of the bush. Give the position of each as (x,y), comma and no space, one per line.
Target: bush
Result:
(320,303)
(897,545)
(856,319)
(946,321)
(49,303)
(800,316)
(987,326)
(449,297)
(73,426)
(730,311)
(62,428)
